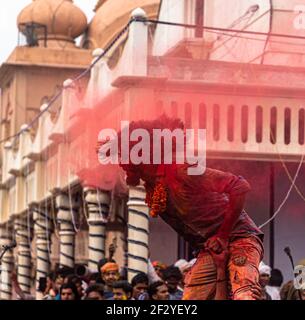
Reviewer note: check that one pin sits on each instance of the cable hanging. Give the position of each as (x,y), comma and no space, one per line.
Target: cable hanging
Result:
(287,195)
(292,180)
(74,80)
(222,31)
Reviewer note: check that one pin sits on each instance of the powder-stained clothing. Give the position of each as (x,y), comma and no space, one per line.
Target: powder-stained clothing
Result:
(245,255)
(198,204)
(196,208)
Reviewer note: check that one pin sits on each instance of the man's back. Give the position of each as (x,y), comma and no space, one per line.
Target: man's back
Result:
(197,204)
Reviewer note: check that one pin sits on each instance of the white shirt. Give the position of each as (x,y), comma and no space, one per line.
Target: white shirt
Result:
(274,292)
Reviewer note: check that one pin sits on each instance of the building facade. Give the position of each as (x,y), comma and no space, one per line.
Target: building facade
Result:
(246,90)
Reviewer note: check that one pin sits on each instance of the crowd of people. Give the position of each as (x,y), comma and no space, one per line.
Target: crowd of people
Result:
(271,282)
(161,283)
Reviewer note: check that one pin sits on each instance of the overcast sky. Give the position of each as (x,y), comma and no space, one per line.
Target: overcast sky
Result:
(9,11)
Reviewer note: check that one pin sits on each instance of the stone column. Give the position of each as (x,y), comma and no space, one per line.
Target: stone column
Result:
(43,227)
(124,235)
(7,263)
(138,228)
(24,263)
(98,203)
(66,218)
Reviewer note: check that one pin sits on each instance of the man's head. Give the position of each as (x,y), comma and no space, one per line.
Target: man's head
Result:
(68,291)
(110,273)
(93,278)
(102,262)
(158,291)
(139,284)
(122,290)
(183,265)
(51,278)
(146,172)
(59,280)
(264,274)
(77,281)
(159,267)
(277,278)
(60,275)
(172,277)
(95,292)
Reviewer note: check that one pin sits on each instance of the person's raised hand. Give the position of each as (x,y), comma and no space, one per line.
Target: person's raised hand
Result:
(217,244)
(14,276)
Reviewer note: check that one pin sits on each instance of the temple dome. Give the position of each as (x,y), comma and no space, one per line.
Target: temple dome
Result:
(112,16)
(64,21)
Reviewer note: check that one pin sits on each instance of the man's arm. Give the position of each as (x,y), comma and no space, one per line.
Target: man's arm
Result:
(217,244)
(236,207)
(16,287)
(219,241)
(236,188)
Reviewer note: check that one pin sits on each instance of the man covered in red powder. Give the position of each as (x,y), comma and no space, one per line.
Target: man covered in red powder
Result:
(208,211)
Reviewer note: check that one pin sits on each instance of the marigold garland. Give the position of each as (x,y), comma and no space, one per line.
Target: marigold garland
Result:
(156,199)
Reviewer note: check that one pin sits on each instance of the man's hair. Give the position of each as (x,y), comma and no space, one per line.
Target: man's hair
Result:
(102,262)
(153,288)
(122,284)
(95,288)
(172,272)
(52,275)
(276,279)
(42,284)
(74,279)
(93,276)
(139,278)
(72,286)
(163,122)
(64,272)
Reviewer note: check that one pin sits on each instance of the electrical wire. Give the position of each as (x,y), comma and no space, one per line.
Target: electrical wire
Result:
(293,181)
(222,31)
(269,34)
(287,195)
(73,80)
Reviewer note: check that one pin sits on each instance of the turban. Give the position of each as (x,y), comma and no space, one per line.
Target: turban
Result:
(159,264)
(110,266)
(192,262)
(301,263)
(183,265)
(264,269)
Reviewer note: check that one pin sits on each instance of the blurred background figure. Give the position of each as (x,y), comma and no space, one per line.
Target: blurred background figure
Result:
(68,291)
(158,291)
(110,274)
(184,267)
(78,283)
(122,290)
(275,283)
(289,292)
(264,278)
(139,285)
(94,292)
(159,267)
(173,277)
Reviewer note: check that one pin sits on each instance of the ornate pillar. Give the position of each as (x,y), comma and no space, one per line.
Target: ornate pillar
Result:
(98,203)
(43,227)
(66,218)
(138,228)
(122,220)
(24,263)
(7,263)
